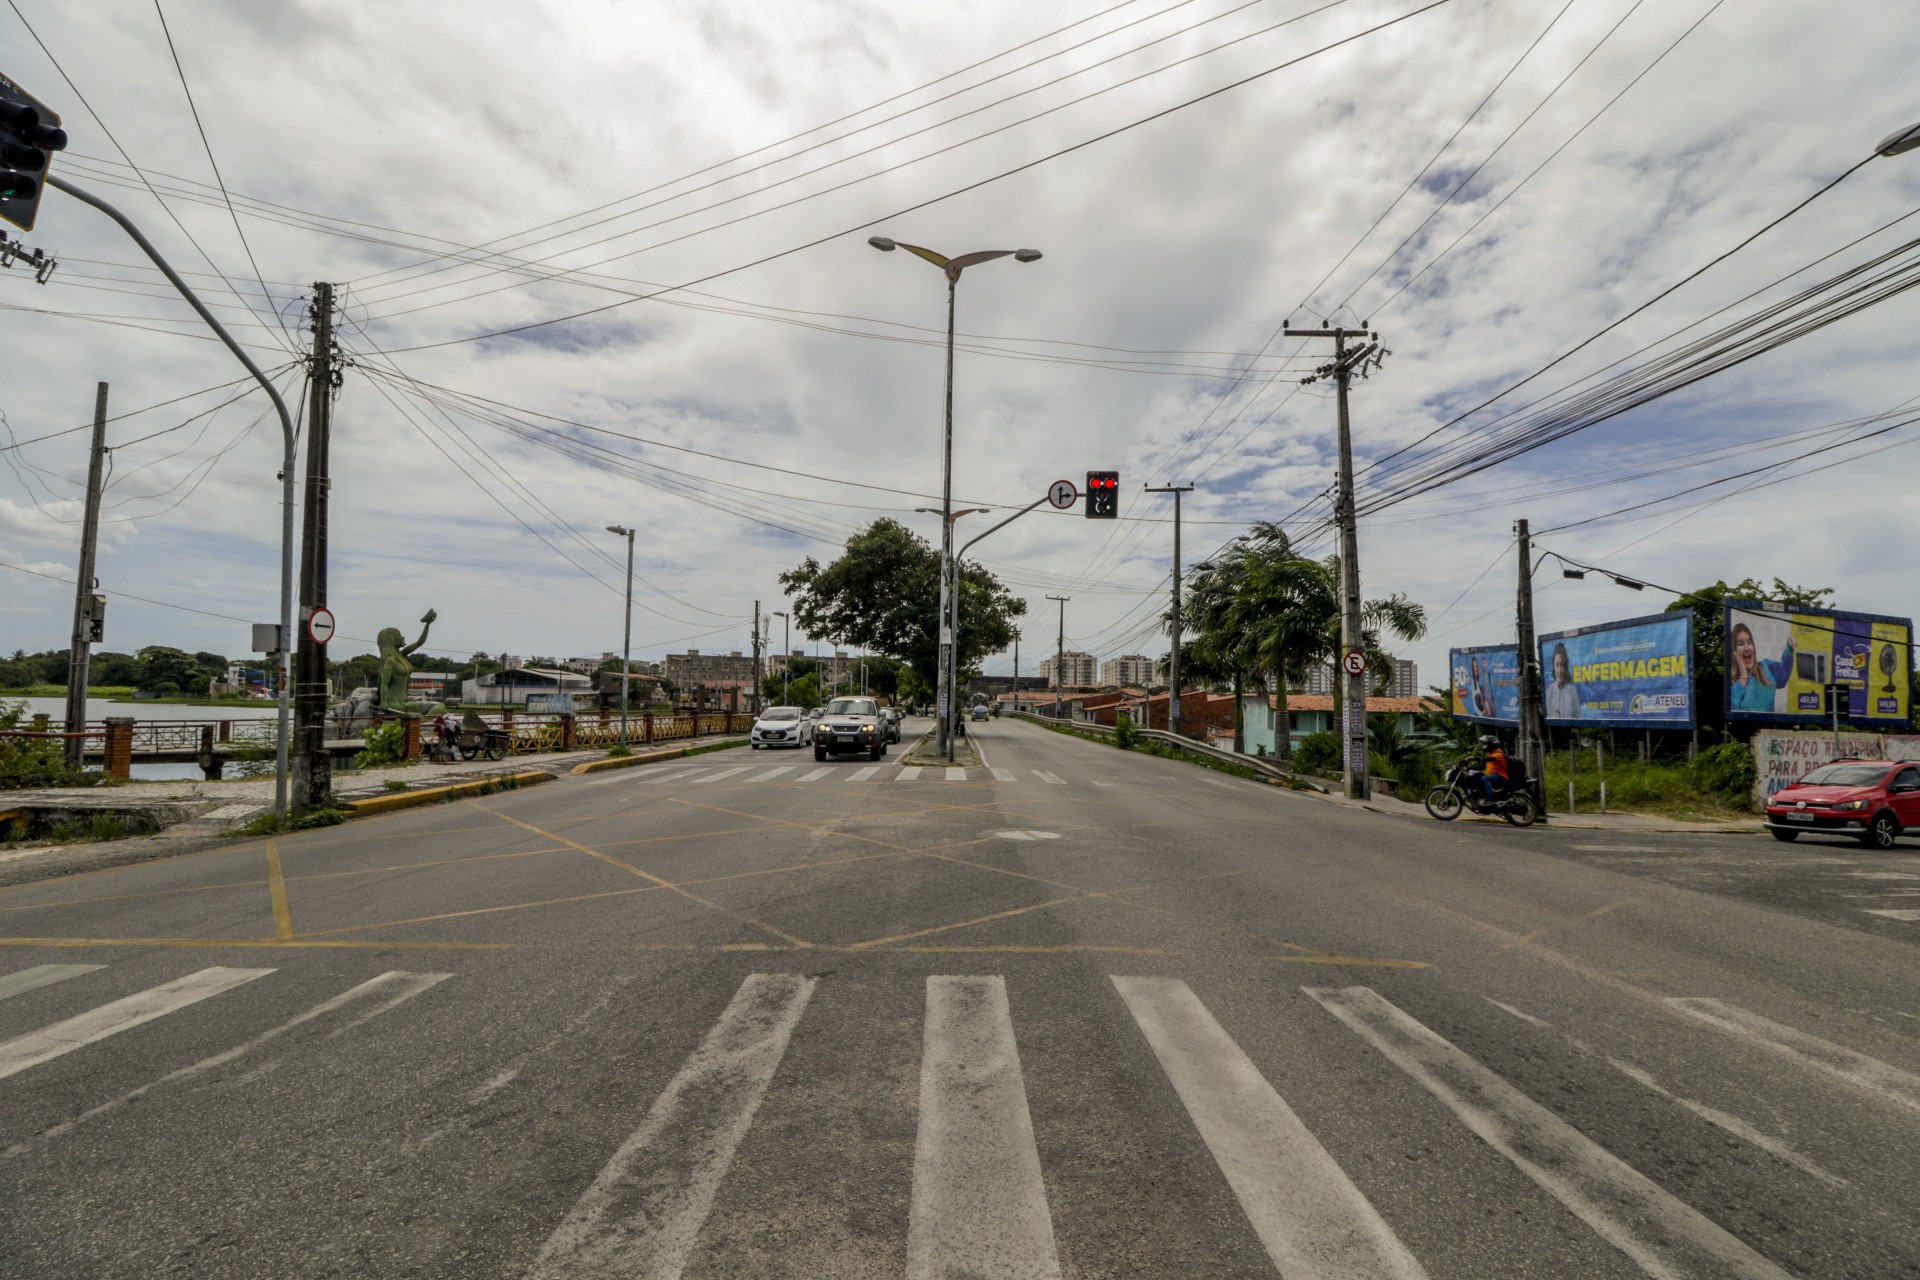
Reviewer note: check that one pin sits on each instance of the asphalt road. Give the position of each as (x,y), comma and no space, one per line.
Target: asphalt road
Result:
(1078,1012)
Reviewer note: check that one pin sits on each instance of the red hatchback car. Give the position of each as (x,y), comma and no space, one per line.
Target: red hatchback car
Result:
(1873,801)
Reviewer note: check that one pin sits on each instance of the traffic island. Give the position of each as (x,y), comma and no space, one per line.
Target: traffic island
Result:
(926,754)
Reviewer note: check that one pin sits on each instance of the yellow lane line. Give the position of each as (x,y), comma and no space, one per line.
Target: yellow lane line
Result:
(1063,949)
(787,822)
(1529,937)
(1017,875)
(647,875)
(252,942)
(127,866)
(1601,911)
(128,897)
(277,888)
(1371,962)
(871,943)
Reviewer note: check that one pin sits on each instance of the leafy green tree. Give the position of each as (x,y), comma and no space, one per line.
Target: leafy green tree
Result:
(883,594)
(115,670)
(805,691)
(161,666)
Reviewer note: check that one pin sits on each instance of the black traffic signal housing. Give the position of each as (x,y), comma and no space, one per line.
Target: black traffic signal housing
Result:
(96,618)
(1103,495)
(29,134)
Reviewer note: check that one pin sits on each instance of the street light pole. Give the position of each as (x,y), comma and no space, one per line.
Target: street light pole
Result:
(948,677)
(949,584)
(626,640)
(786,655)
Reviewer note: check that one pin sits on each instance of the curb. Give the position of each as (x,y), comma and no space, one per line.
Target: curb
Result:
(652,757)
(432,795)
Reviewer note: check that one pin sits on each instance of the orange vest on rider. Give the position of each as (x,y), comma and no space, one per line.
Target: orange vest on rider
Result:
(1497,763)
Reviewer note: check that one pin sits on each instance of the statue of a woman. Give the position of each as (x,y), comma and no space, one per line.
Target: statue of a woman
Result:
(394,668)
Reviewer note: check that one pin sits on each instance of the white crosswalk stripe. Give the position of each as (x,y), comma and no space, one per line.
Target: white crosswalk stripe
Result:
(1001,775)
(83,1029)
(955,774)
(41,975)
(774,773)
(723,773)
(643,1213)
(907,775)
(863,774)
(979,1206)
(1052,779)
(1856,1069)
(1664,1235)
(815,776)
(1306,1211)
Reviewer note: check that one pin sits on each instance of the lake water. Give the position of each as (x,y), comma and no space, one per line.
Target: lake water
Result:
(101,708)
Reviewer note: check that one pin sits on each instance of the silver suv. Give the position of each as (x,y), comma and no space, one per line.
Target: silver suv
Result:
(850,724)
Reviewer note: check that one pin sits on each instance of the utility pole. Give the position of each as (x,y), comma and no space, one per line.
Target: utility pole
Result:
(88,607)
(1016,668)
(1173,662)
(312,766)
(1060,662)
(1532,726)
(756,658)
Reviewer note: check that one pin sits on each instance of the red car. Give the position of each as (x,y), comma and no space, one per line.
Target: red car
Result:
(1873,801)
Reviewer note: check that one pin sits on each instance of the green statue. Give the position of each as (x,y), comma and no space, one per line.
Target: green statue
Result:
(394,669)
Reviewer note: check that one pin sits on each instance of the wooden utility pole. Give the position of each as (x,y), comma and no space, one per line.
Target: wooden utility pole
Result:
(312,772)
(1060,662)
(1353,705)
(1173,659)
(89,608)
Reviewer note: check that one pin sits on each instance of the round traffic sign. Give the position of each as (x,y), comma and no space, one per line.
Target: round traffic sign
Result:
(320,626)
(1062,494)
(1354,662)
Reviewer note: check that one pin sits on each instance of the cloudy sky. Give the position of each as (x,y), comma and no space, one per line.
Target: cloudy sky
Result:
(1486,183)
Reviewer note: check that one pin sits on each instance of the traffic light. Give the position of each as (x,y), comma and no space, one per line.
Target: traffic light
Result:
(29,134)
(96,618)
(1103,495)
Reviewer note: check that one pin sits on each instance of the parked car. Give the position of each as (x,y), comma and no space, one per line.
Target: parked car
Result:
(1874,801)
(777,727)
(890,718)
(850,724)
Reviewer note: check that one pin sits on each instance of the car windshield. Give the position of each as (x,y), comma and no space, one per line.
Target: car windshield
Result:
(1844,775)
(853,707)
(780,713)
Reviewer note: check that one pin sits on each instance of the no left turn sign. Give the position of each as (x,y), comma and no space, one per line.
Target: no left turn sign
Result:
(320,626)
(1354,662)
(1062,494)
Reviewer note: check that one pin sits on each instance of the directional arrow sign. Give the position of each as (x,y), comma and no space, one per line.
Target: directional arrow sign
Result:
(1063,495)
(320,626)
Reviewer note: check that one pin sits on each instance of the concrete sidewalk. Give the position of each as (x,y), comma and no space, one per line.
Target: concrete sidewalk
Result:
(1569,821)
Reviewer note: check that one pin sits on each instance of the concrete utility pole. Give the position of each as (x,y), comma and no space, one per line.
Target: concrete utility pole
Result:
(1016,668)
(757,703)
(1532,727)
(1173,662)
(312,766)
(87,606)
(1353,706)
(626,635)
(1060,662)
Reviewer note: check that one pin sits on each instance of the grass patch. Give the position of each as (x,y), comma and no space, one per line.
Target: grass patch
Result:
(60,691)
(394,784)
(268,824)
(1711,789)
(619,751)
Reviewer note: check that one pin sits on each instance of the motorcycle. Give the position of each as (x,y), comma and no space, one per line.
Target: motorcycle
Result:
(1461,791)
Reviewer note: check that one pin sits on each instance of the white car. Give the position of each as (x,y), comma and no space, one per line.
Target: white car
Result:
(777,727)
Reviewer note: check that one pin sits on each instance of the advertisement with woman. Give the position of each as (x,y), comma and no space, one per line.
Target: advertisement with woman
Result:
(1485,684)
(1781,663)
(1632,674)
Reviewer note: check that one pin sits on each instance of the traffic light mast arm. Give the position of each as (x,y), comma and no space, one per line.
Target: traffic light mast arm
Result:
(286,466)
(1003,524)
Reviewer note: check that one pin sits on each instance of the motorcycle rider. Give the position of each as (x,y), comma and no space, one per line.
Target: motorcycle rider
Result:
(1492,764)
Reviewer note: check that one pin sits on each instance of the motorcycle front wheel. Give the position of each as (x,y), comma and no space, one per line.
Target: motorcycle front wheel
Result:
(1444,803)
(1519,811)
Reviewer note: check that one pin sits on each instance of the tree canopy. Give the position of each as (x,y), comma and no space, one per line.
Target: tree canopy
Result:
(883,594)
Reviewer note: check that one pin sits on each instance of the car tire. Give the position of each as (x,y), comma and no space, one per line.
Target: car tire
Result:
(1880,833)
(756,746)
(819,754)
(1788,836)
(875,752)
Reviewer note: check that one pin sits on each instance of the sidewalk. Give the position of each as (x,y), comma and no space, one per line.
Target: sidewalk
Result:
(1641,822)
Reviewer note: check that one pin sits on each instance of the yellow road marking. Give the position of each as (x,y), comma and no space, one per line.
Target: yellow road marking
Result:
(1600,911)
(277,889)
(252,942)
(1307,955)
(1063,949)
(963,924)
(647,875)
(1537,933)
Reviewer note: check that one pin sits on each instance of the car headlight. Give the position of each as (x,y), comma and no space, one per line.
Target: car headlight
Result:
(1848,805)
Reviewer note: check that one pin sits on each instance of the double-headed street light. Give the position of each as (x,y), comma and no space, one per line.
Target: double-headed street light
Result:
(951,267)
(626,640)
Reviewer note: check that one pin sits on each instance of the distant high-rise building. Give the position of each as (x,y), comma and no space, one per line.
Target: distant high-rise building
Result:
(1081,671)
(1403,681)
(1406,679)
(1135,669)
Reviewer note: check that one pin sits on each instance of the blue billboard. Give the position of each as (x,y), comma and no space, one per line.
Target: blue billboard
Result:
(1632,674)
(1485,684)
(1784,664)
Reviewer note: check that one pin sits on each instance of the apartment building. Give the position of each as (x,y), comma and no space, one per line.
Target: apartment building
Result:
(1135,669)
(1081,670)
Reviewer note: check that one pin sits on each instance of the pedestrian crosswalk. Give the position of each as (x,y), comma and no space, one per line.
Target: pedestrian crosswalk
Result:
(673,776)
(980,1200)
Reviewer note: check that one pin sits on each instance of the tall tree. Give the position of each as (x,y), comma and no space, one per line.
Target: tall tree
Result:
(883,594)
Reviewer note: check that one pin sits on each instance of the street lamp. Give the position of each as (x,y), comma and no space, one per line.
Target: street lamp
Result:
(626,639)
(948,677)
(786,655)
(951,268)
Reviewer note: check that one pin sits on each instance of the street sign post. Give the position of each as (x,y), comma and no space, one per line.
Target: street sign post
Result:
(1062,494)
(320,626)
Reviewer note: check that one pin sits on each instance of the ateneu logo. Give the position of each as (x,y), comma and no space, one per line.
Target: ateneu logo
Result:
(1647,703)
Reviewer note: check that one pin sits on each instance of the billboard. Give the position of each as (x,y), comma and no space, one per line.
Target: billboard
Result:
(1485,684)
(1633,674)
(1780,661)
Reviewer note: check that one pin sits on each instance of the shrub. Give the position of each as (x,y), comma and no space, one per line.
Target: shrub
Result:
(385,744)
(1726,772)
(32,762)
(1125,736)
(619,751)
(1318,752)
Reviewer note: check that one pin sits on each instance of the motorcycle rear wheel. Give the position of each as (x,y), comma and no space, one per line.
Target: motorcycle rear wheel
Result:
(1444,803)
(1519,811)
